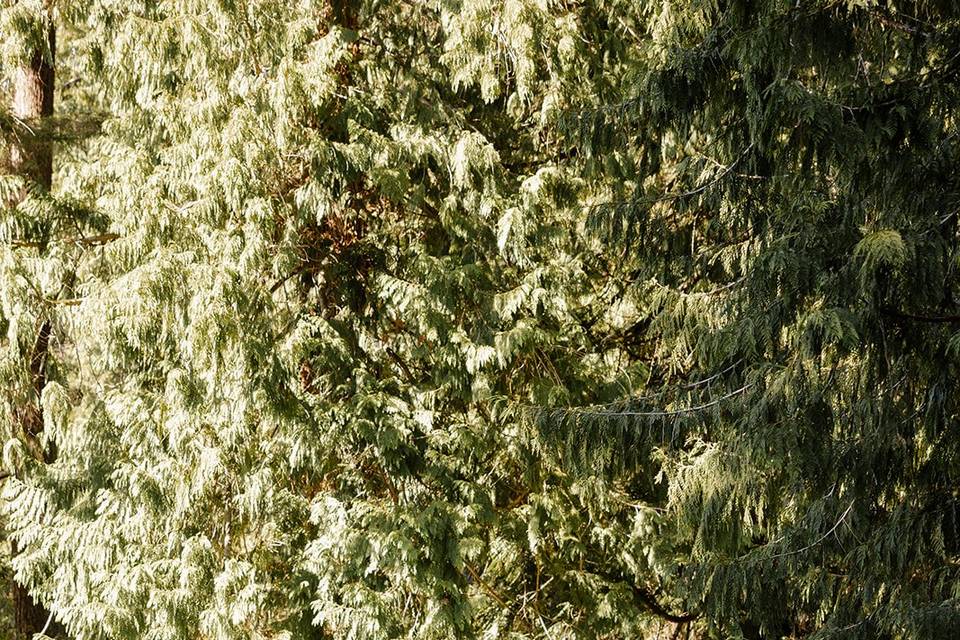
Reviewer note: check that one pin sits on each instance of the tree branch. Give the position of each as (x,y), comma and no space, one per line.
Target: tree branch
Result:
(83,241)
(649,601)
(903,315)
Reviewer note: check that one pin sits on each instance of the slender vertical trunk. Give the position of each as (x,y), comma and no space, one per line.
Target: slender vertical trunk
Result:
(29,617)
(32,157)
(32,100)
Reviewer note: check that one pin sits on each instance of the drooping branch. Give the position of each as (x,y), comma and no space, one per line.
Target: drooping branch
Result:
(648,600)
(903,315)
(83,241)
(682,195)
(660,413)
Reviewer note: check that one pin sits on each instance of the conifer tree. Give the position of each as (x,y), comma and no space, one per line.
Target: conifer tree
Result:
(325,265)
(494,319)
(788,207)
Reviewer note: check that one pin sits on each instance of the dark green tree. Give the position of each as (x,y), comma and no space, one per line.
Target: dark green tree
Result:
(783,186)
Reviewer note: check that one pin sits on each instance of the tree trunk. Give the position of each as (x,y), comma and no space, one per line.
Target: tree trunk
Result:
(29,616)
(32,157)
(32,100)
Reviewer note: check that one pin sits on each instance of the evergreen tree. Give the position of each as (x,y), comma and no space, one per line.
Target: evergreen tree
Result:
(784,185)
(476,318)
(328,261)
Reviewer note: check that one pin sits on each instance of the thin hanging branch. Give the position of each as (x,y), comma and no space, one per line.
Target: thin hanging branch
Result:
(660,414)
(818,540)
(670,197)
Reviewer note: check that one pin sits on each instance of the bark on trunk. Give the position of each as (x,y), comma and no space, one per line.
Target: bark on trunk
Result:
(29,617)
(32,100)
(32,157)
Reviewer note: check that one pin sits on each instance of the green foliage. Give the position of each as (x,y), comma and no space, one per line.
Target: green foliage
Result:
(792,212)
(525,319)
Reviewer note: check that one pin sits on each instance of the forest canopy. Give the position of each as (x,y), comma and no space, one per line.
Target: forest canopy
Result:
(499,319)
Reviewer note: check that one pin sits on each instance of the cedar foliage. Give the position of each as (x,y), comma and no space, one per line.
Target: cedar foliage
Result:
(475,318)
(792,229)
